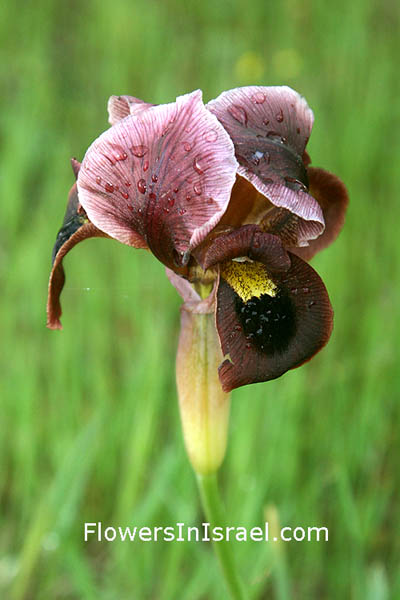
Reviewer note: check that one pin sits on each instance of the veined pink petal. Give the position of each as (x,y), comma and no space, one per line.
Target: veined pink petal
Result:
(164,176)
(277,113)
(270,127)
(297,201)
(120,107)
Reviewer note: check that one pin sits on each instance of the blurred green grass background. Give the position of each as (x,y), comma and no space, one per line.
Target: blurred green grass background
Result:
(89,426)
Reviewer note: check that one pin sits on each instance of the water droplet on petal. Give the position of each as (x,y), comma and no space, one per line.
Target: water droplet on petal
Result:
(171,201)
(176,190)
(187,147)
(111,159)
(197,166)
(141,186)
(128,183)
(310,304)
(125,195)
(145,165)
(279,116)
(266,121)
(154,178)
(197,189)
(181,211)
(210,136)
(139,151)
(109,187)
(238,113)
(98,180)
(257,156)
(273,135)
(296,184)
(259,97)
(121,156)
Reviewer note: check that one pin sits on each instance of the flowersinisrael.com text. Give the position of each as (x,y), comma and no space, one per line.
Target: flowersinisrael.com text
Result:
(179,532)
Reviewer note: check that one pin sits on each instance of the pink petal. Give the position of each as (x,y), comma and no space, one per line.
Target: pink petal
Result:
(299,202)
(164,176)
(270,127)
(120,107)
(183,287)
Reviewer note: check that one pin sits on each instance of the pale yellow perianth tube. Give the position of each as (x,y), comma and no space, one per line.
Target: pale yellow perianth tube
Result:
(204,407)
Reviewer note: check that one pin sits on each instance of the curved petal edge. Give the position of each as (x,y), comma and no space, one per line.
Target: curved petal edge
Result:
(163,177)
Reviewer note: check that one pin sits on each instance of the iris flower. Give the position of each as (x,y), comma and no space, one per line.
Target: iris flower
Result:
(224,196)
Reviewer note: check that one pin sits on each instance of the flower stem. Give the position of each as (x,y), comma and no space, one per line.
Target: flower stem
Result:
(214,512)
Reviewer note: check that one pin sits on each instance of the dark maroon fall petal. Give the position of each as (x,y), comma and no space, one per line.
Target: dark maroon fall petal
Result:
(247,241)
(75,229)
(332,196)
(120,107)
(57,275)
(263,338)
(164,176)
(270,127)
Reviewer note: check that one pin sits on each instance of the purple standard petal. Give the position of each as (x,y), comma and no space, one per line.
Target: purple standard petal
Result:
(270,127)
(163,177)
(120,107)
